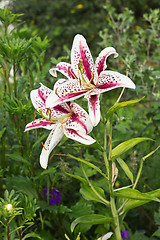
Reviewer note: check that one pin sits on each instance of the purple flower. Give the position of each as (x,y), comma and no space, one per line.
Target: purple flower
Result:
(125,234)
(54,196)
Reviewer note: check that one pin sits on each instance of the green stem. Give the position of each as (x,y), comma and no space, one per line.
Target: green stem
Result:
(107,203)
(138,174)
(7,229)
(108,164)
(113,206)
(14,79)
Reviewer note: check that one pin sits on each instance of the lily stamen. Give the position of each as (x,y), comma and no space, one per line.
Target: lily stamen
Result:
(70,72)
(34,115)
(43,146)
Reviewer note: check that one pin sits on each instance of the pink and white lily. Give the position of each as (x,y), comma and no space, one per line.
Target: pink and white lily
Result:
(66,118)
(86,78)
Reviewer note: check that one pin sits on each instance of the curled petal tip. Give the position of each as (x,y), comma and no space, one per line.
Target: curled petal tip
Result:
(116,55)
(53,72)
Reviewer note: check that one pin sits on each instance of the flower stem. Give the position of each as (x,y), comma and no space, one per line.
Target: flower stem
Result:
(108,163)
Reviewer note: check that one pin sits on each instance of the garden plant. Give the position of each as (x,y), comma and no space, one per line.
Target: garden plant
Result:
(86,177)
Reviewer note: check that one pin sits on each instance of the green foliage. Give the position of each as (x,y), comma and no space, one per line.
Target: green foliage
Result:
(24,63)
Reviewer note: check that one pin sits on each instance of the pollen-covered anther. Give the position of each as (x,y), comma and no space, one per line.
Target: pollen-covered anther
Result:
(71,73)
(43,146)
(34,115)
(49,113)
(92,77)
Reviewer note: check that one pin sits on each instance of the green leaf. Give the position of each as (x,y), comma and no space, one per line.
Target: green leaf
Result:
(35,235)
(125,168)
(76,176)
(121,105)
(131,203)
(135,194)
(48,171)
(89,194)
(22,184)
(2,132)
(125,146)
(91,219)
(88,163)
(18,158)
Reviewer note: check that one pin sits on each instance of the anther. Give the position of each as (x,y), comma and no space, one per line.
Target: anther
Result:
(43,146)
(34,115)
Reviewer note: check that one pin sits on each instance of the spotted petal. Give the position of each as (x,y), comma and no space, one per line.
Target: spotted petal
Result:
(53,139)
(109,80)
(102,57)
(79,120)
(68,91)
(94,108)
(40,123)
(39,96)
(80,51)
(65,69)
(79,136)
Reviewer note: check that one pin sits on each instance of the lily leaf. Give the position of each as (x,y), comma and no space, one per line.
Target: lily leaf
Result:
(77,177)
(132,203)
(125,168)
(125,146)
(89,194)
(135,194)
(88,163)
(91,219)
(121,105)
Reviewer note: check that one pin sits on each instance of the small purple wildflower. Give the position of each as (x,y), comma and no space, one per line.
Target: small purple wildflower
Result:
(54,196)
(125,234)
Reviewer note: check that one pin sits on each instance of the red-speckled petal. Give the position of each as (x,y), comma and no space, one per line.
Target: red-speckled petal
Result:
(65,69)
(79,120)
(39,96)
(40,123)
(58,83)
(68,91)
(94,108)
(79,136)
(80,51)
(102,57)
(109,80)
(53,139)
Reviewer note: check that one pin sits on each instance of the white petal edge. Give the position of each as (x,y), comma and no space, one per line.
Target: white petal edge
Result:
(79,136)
(121,81)
(36,124)
(53,139)
(94,108)
(106,236)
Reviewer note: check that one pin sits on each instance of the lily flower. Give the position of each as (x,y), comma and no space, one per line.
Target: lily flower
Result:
(86,78)
(66,118)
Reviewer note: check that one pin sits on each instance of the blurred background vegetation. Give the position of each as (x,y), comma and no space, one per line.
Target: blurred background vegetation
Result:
(44,35)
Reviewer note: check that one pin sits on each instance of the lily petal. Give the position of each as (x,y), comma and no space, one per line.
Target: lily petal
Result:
(39,96)
(105,236)
(109,80)
(80,51)
(65,69)
(94,108)
(68,91)
(53,139)
(40,123)
(79,136)
(102,57)
(79,120)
